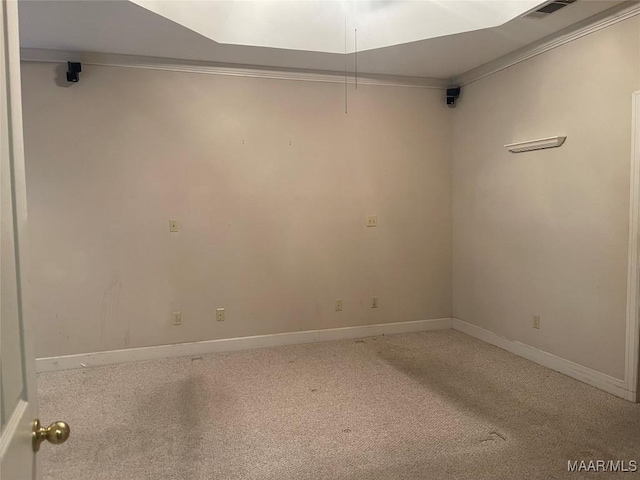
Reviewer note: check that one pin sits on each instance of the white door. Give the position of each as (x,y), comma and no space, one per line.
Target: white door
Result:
(18,377)
(18,406)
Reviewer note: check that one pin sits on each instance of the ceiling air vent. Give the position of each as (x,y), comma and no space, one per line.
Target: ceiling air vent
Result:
(549,8)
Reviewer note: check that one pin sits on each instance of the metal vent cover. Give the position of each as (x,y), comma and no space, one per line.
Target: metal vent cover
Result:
(549,8)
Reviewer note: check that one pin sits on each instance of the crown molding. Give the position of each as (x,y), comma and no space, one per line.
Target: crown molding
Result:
(235,70)
(591,25)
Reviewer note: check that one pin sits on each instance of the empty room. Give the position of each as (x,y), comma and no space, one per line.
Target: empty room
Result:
(299,240)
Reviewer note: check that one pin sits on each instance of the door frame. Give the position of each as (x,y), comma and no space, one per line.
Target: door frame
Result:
(632,350)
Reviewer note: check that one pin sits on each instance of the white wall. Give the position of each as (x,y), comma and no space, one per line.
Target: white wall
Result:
(270,230)
(274,232)
(546,233)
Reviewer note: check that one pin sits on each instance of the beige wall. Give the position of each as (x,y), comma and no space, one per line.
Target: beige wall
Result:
(270,182)
(546,233)
(274,231)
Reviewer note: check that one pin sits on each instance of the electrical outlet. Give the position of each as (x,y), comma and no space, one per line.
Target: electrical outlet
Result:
(338,305)
(177,318)
(374,302)
(372,221)
(536,321)
(220,314)
(173,226)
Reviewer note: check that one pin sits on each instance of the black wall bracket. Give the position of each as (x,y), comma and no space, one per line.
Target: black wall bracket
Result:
(73,71)
(452,94)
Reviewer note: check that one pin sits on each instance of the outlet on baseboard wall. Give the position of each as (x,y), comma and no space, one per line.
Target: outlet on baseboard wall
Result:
(536,322)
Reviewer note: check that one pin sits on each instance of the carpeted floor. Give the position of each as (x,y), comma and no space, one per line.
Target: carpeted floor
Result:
(431,405)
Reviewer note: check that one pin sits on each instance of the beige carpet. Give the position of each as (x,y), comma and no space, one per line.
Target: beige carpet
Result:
(432,405)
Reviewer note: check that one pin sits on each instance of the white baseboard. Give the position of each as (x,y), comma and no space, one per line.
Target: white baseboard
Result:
(586,375)
(579,372)
(67,362)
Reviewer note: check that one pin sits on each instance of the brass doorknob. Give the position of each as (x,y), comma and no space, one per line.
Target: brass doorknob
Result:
(56,433)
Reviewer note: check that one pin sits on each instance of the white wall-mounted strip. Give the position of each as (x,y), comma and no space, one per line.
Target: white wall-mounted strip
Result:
(68,362)
(539,144)
(590,25)
(211,68)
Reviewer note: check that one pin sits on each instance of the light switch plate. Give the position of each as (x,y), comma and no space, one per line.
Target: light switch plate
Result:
(372,220)
(173,225)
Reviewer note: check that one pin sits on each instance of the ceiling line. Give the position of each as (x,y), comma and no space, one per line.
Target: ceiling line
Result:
(212,68)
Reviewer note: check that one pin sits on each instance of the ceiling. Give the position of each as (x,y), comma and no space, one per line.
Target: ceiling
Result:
(330,25)
(123,27)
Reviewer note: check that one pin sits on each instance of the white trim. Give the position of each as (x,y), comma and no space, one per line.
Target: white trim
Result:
(232,344)
(569,34)
(539,144)
(574,370)
(213,68)
(632,354)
